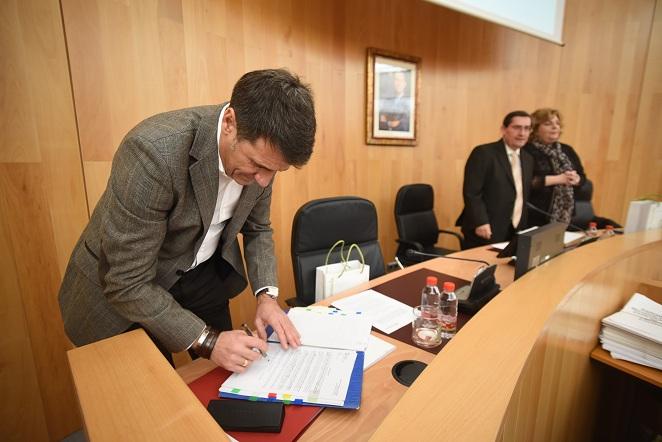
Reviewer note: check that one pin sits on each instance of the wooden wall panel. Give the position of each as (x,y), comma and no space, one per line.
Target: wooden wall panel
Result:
(132,59)
(43,207)
(645,171)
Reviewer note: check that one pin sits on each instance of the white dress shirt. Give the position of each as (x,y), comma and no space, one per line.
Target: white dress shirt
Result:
(227,198)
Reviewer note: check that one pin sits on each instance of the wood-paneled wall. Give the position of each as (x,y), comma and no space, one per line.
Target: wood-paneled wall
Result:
(42,211)
(130,59)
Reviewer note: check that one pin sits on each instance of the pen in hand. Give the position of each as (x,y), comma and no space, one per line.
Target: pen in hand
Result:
(250,333)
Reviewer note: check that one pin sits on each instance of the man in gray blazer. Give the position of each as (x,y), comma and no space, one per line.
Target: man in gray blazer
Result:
(494,198)
(161,251)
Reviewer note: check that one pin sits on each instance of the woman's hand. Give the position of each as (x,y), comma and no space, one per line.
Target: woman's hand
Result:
(567,178)
(573,177)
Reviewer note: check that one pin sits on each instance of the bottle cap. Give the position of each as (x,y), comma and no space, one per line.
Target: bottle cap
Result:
(449,286)
(592,224)
(431,280)
(609,227)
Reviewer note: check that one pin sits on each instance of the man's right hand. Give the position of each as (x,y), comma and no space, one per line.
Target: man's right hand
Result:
(484,231)
(234,350)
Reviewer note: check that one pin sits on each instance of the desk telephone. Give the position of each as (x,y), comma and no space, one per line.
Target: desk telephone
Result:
(483,288)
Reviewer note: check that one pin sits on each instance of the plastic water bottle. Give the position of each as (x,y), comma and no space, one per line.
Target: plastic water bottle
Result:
(609,230)
(426,331)
(448,308)
(430,295)
(592,229)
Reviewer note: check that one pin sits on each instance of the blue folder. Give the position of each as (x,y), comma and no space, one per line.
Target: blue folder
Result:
(352,400)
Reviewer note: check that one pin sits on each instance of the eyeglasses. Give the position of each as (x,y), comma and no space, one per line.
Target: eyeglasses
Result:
(521,128)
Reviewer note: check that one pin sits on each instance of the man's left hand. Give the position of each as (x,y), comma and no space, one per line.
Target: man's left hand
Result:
(269,313)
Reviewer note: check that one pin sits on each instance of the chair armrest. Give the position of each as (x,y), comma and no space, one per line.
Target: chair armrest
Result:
(295,302)
(411,244)
(455,234)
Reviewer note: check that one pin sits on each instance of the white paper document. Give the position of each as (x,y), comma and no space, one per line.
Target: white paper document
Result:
(499,245)
(330,327)
(569,237)
(386,314)
(635,333)
(310,374)
(640,316)
(377,350)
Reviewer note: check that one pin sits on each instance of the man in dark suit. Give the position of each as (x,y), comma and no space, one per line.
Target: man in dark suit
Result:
(497,180)
(161,252)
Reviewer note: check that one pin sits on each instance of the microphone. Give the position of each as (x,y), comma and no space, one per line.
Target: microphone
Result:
(411,253)
(551,217)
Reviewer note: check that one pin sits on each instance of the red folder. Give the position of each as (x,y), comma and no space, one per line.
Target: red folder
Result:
(297,417)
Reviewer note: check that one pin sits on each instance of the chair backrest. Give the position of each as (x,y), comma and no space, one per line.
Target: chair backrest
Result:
(318,224)
(583,207)
(414,214)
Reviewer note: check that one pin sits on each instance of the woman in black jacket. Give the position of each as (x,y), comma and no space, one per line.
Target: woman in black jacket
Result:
(557,169)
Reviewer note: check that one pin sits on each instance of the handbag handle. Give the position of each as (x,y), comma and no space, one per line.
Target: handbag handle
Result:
(346,260)
(342,248)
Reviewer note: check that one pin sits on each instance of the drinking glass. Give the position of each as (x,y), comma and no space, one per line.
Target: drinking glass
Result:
(426,329)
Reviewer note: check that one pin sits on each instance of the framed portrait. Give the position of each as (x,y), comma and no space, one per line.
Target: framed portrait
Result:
(393,83)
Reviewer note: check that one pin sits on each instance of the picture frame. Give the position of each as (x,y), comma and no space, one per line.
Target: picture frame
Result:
(393,83)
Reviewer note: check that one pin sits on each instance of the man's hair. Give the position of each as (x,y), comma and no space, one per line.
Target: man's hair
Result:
(273,104)
(509,118)
(540,116)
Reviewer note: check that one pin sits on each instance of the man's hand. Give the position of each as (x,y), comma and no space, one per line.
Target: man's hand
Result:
(269,313)
(234,350)
(484,231)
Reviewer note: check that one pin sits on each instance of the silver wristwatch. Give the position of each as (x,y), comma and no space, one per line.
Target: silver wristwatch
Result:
(269,291)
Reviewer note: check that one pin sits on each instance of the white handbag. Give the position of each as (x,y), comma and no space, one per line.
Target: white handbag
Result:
(331,279)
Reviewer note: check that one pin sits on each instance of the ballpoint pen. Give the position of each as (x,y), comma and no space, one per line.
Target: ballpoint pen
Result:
(250,333)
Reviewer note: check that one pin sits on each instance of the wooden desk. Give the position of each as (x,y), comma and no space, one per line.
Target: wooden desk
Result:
(121,396)
(380,391)
(124,396)
(520,368)
(647,374)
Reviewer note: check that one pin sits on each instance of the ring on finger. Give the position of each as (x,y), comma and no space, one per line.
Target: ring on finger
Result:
(245,363)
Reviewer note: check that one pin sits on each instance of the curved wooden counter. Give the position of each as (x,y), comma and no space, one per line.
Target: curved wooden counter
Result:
(520,369)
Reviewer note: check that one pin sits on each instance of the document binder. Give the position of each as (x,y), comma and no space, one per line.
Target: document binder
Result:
(326,370)
(352,399)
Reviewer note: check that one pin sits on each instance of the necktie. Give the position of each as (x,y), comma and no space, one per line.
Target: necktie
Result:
(519,199)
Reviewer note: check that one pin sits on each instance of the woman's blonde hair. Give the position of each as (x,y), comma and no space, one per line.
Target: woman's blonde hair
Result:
(540,116)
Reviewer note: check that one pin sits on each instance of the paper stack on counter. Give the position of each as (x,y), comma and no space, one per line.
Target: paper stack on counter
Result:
(635,333)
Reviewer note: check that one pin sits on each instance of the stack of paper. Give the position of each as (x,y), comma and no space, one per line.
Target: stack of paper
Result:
(635,333)
(643,215)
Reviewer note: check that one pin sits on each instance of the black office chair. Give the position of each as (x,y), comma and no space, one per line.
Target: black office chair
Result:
(417,224)
(584,213)
(317,225)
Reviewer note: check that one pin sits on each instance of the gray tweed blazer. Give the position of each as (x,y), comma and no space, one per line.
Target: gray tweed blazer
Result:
(148,227)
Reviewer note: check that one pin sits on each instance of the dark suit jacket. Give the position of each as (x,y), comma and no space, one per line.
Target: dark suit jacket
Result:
(489,192)
(148,226)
